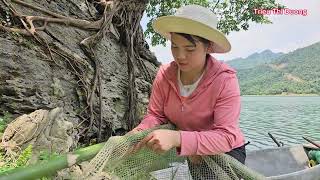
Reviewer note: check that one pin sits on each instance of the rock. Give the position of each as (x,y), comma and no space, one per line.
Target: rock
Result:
(32,79)
(43,129)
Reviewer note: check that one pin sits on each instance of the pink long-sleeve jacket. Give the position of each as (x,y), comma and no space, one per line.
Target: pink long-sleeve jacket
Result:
(208,119)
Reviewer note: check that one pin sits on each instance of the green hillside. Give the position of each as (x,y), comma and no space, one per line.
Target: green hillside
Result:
(297,72)
(253,60)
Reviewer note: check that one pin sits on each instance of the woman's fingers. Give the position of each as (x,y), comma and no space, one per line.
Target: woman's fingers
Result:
(145,140)
(152,142)
(157,148)
(136,148)
(133,149)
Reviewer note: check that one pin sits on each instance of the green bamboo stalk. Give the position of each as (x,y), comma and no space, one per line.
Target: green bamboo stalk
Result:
(51,167)
(61,162)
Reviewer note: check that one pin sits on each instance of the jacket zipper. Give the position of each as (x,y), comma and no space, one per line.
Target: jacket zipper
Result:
(182,104)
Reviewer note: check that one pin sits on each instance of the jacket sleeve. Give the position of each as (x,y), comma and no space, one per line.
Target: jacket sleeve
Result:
(155,113)
(225,128)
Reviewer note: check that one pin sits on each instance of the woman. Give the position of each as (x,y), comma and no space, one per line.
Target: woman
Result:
(195,92)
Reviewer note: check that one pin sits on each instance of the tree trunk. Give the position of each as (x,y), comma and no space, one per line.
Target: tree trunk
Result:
(88,57)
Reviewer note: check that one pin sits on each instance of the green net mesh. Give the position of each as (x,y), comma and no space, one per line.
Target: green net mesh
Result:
(116,161)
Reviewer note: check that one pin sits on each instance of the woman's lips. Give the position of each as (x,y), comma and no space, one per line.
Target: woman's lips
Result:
(183,64)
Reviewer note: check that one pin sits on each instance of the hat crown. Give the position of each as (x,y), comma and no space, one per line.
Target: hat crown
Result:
(194,20)
(199,14)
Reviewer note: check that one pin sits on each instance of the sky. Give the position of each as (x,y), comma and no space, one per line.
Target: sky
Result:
(285,34)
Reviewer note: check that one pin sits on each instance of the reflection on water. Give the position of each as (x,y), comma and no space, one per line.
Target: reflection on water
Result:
(286,118)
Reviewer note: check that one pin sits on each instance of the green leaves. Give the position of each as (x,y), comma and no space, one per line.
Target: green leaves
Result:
(234,15)
(8,163)
(24,156)
(3,125)
(7,118)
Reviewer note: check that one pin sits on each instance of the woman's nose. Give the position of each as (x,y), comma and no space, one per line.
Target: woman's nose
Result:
(181,54)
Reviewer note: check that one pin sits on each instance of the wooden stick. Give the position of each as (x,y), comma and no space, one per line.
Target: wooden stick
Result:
(310,141)
(279,144)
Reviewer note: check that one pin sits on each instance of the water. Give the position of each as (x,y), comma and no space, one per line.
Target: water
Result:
(287,118)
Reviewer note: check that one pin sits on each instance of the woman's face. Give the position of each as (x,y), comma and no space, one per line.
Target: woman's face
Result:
(188,56)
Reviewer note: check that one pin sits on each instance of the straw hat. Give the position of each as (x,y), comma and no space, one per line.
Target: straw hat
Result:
(193,20)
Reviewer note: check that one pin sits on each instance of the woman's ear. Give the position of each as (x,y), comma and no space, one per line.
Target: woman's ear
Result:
(210,47)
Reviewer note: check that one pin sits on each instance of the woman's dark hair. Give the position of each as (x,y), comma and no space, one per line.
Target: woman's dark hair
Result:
(193,41)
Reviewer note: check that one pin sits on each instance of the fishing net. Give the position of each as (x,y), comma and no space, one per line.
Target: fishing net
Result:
(117,161)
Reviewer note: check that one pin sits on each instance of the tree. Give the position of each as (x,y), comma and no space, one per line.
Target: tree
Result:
(90,57)
(233,15)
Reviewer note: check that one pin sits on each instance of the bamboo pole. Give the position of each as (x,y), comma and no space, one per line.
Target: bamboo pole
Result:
(51,167)
(64,161)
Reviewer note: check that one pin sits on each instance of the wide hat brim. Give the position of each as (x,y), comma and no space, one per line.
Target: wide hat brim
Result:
(166,24)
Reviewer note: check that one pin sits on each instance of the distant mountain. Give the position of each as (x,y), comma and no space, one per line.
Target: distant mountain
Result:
(297,72)
(253,60)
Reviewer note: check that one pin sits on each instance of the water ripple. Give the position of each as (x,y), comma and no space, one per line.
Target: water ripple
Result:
(287,118)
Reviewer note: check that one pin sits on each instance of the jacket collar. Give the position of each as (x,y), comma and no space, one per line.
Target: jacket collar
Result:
(212,70)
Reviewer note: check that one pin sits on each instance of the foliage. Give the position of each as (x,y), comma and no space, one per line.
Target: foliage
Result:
(23,159)
(24,156)
(8,163)
(232,15)
(294,73)
(4,120)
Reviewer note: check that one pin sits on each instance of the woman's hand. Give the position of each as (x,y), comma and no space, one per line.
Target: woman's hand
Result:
(161,140)
(137,146)
(134,130)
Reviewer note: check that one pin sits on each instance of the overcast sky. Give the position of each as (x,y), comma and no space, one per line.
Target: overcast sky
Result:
(287,33)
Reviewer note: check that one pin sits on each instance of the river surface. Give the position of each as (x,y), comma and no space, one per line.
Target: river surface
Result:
(287,118)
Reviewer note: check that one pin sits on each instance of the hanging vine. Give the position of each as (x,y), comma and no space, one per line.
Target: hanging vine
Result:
(122,15)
